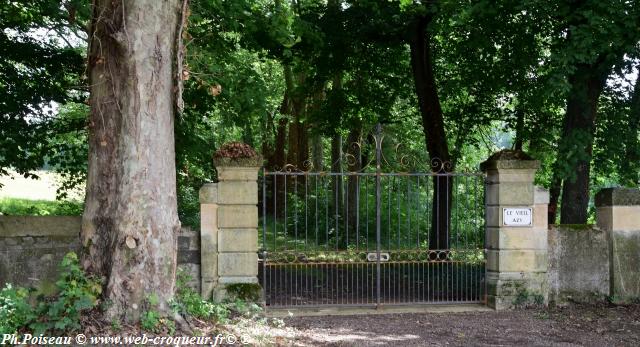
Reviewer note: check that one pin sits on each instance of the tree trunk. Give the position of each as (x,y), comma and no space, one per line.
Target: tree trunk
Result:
(354,164)
(433,128)
(554,196)
(277,159)
(317,148)
(130,218)
(577,140)
(279,147)
(275,162)
(336,181)
(337,193)
(298,151)
(519,140)
(317,153)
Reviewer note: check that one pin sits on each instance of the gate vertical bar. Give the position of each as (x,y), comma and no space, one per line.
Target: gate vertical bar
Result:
(378,138)
(264,233)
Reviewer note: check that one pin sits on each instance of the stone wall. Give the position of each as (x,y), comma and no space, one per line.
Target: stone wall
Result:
(599,262)
(578,264)
(618,214)
(32,247)
(189,256)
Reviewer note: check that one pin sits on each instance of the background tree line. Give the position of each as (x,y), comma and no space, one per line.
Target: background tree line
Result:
(454,80)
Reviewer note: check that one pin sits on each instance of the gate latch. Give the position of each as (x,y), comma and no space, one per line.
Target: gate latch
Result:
(374,256)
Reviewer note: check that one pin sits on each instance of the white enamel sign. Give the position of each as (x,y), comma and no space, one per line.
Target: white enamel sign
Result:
(518,217)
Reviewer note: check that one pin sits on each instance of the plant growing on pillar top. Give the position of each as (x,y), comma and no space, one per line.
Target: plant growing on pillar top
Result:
(237,154)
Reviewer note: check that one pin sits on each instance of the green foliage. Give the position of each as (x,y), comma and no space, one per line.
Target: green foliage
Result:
(526,298)
(21,207)
(577,227)
(250,292)
(150,321)
(312,222)
(36,70)
(188,301)
(15,310)
(245,308)
(116,325)
(69,147)
(77,294)
(502,71)
(153,321)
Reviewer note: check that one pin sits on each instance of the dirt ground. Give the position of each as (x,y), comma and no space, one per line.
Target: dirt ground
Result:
(574,325)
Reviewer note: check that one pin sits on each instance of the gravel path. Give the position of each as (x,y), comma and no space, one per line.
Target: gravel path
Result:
(569,326)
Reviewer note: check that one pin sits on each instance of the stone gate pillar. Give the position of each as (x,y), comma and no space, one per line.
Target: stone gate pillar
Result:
(516,231)
(229,222)
(618,214)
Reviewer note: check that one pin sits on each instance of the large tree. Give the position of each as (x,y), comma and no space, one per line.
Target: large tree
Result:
(130,218)
(592,40)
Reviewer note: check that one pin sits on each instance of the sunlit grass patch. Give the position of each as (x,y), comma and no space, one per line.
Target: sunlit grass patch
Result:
(26,207)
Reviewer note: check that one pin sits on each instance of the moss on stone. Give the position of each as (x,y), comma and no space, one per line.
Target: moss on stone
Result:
(242,162)
(576,227)
(510,154)
(245,291)
(618,197)
(509,159)
(47,288)
(527,298)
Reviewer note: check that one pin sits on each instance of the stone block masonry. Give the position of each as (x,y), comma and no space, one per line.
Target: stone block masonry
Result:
(578,264)
(516,231)
(32,247)
(229,225)
(618,214)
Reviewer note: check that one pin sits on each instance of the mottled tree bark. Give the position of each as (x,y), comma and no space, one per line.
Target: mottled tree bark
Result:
(130,218)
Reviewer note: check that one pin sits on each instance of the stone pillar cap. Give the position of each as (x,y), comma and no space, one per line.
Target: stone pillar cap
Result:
(618,197)
(237,154)
(510,159)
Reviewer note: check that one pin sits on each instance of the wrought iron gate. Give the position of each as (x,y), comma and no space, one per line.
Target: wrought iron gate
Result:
(368,237)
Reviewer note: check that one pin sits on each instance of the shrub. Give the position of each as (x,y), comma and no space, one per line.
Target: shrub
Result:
(14,309)
(61,313)
(152,320)
(77,293)
(188,301)
(245,291)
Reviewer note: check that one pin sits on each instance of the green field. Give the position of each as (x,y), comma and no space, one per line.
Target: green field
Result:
(20,196)
(27,207)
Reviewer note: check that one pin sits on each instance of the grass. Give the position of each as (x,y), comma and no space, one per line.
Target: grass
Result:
(21,196)
(323,245)
(27,207)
